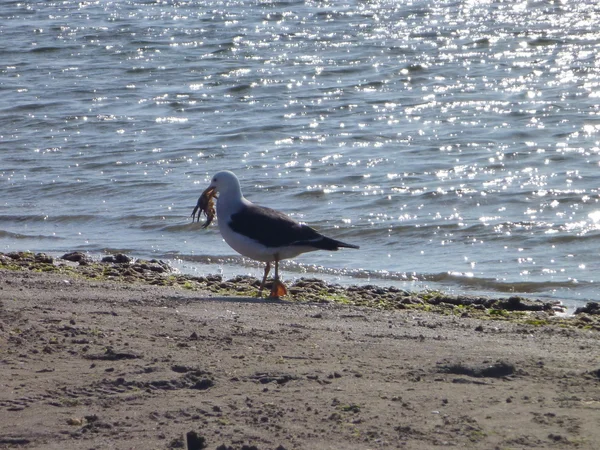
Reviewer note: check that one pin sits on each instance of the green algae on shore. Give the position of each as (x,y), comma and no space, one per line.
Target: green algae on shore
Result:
(122,268)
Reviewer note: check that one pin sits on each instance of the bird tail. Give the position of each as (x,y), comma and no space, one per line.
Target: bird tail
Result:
(326,243)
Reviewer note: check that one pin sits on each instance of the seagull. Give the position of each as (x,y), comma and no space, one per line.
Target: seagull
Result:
(261,233)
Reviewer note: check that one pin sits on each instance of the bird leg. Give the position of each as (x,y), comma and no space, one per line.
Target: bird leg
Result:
(262,284)
(278,289)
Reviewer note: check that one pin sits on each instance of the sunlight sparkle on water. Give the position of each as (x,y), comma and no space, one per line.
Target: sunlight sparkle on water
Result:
(595,216)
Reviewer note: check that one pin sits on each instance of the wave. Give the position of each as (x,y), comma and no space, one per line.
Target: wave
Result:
(544,41)
(49,219)
(47,49)
(567,238)
(21,236)
(239,88)
(490,284)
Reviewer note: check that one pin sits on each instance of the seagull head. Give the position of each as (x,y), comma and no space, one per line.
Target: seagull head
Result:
(226,184)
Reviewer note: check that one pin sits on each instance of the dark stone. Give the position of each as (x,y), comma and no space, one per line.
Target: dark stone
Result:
(265,378)
(43,258)
(522,304)
(214,278)
(79,257)
(195,441)
(498,370)
(203,384)
(119,258)
(16,256)
(112,355)
(177,443)
(14,441)
(181,369)
(158,268)
(590,308)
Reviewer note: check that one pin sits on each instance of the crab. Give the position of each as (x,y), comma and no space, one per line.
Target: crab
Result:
(206,206)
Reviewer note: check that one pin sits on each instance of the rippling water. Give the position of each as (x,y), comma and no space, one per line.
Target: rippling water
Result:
(456,141)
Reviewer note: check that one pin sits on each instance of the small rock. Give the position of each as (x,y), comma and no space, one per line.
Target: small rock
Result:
(75,421)
(498,370)
(203,384)
(119,258)
(181,369)
(177,443)
(195,441)
(592,308)
(14,441)
(79,257)
(43,258)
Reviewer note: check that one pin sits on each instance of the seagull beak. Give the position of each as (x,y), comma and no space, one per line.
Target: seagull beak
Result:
(209,192)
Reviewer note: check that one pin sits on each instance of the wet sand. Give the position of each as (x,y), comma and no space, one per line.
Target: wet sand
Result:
(117,363)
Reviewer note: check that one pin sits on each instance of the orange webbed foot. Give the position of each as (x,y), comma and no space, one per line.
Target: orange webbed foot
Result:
(278,289)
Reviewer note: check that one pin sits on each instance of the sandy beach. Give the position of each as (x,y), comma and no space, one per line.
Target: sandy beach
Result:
(90,362)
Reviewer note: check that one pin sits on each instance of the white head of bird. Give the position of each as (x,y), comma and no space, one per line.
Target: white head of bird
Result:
(226,184)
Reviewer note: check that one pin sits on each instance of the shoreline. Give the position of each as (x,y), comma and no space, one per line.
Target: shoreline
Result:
(121,361)
(126,269)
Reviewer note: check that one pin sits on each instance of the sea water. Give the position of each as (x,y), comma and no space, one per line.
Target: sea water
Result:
(457,142)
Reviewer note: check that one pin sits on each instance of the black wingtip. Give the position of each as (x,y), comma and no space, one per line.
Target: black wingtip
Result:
(333,244)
